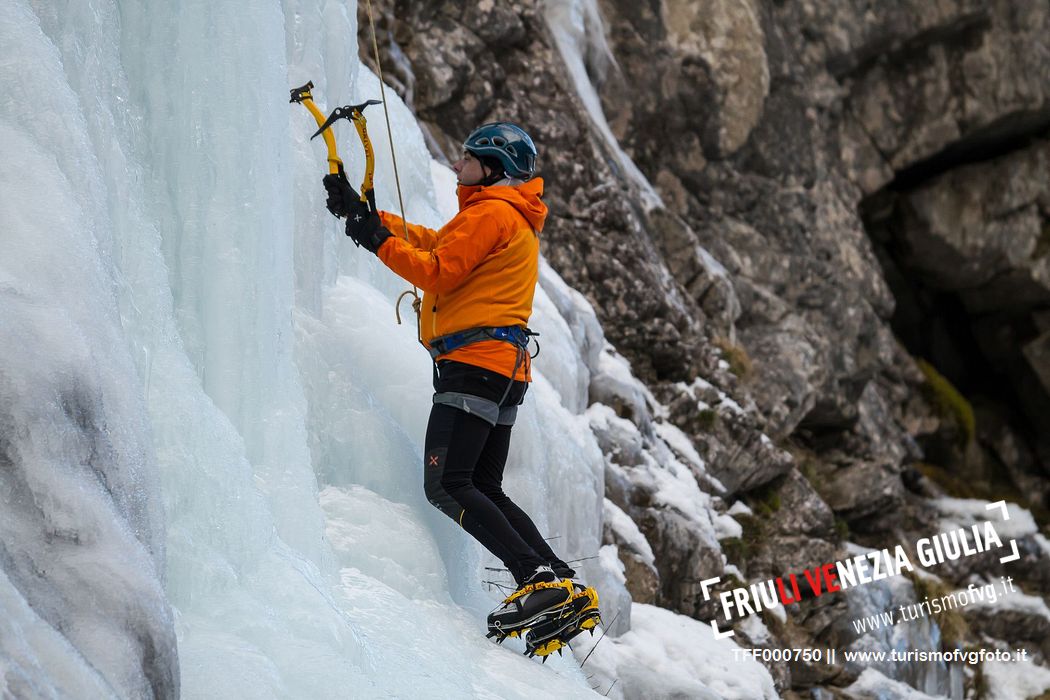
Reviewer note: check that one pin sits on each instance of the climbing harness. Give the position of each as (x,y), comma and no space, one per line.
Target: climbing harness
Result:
(492,412)
(515,335)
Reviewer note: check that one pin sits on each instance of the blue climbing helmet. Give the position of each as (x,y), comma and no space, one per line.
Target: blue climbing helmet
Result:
(506,142)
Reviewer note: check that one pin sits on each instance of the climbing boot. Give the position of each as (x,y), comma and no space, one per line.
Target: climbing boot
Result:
(538,598)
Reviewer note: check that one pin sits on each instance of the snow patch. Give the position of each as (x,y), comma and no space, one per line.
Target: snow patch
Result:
(755,629)
(740,508)
(628,532)
(964,512)
(680,443)
(1009,681)
(1017,600)
(727,527)
(872,684)
(670,655)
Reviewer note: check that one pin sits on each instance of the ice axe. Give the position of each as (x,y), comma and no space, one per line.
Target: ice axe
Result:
(303,96)
(355,113)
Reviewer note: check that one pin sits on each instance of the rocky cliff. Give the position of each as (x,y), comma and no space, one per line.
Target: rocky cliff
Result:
(820,233)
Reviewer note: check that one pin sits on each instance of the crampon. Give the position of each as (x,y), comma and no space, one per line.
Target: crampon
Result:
(549,618)
(528,606)
(557,630)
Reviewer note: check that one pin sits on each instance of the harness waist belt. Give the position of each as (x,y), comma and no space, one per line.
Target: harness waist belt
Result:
(515,335)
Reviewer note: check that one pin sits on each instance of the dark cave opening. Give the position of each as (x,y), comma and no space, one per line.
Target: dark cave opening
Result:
(979,337)
(934,325)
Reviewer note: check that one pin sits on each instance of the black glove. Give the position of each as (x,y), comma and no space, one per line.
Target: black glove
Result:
(343,199)
(365,228)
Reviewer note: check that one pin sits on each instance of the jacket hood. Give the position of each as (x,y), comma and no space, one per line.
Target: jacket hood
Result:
(524,197)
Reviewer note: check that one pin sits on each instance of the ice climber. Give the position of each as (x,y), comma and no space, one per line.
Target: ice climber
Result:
(478,274)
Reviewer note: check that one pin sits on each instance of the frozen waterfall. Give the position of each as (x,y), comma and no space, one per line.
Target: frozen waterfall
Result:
(210,424)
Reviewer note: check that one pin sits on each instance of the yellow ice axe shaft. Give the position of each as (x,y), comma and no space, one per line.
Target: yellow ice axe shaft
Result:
(302,96)
(368,195)
(355,113)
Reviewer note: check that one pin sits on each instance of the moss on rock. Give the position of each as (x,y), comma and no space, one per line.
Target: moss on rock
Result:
(948,401)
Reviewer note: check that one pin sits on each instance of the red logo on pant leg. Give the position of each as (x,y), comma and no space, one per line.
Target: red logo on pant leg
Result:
(433,460)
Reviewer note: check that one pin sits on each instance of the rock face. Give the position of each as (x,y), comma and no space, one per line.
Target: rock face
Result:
(774,208)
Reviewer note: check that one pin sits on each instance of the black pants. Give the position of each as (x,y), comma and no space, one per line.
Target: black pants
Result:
(463,471)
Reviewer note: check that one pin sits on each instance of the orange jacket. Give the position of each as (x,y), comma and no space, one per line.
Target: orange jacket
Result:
(480,269)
